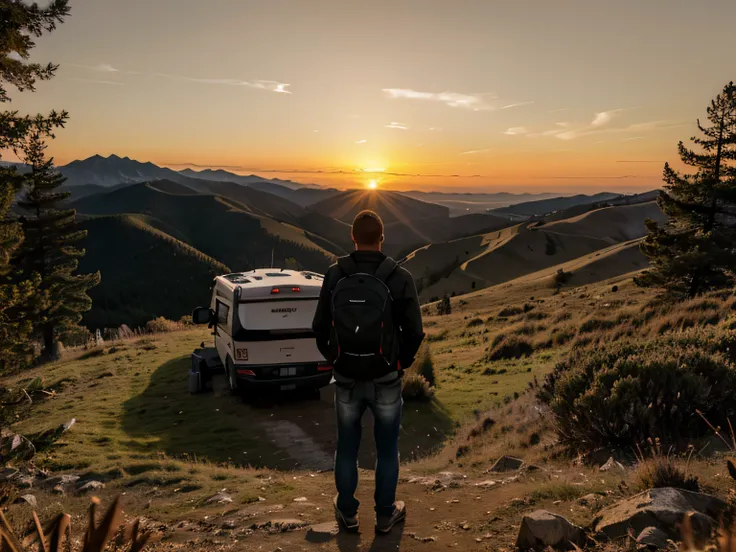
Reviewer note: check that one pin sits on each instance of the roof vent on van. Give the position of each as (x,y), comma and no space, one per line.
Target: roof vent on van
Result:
(277,275)
(237,279)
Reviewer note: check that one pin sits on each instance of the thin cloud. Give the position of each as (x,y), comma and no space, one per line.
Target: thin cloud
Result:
(361,141)
(271,86)
(605,117)
(474,102)
(100,68)
(518,104)
(516,131)
(96,81)
(558,110)
(397,126)
(473,152)
(632,138)
(434,129)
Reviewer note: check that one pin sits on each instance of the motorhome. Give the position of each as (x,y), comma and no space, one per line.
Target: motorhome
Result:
(262,323)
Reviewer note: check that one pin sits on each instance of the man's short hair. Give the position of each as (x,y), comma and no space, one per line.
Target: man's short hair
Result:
(367,228)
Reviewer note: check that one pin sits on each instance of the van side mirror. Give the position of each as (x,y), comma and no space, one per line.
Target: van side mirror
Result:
(202,315)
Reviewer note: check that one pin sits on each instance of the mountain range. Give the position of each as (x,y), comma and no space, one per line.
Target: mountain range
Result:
(158,236)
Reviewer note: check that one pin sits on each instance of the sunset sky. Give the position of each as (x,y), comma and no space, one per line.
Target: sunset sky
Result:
(472,95)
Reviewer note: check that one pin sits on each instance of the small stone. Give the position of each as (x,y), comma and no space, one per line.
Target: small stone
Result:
(611,464)
(28,499)
(58,489)
(588,500)
(220,498)
(324,530)
(465,527)
(486,484)
(91,486)
(653,537)
(301,499)
(479,539)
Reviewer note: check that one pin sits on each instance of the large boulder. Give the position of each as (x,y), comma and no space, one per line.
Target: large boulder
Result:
(507,464)
(541,529)
(661,508)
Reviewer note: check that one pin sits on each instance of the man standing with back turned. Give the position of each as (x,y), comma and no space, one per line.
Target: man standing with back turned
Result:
(368,324)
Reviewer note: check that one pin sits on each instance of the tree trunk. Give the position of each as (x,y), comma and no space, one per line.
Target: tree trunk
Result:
(50,348)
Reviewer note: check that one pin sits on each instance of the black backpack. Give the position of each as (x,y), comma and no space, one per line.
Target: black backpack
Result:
(363,321)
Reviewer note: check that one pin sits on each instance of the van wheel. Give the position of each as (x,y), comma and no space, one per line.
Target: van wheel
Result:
(232,377)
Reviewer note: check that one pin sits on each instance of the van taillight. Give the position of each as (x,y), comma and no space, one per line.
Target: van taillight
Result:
(275,290)
(296,289)
(324,367)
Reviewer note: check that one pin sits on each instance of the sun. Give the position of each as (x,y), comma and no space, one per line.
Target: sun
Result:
(373,184)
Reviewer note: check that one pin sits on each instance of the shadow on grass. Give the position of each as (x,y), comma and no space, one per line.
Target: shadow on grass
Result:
(273,432)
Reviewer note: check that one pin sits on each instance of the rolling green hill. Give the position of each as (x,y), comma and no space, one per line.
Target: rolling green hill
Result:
(220,227)
(145,272)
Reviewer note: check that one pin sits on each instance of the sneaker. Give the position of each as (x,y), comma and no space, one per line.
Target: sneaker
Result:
(384,524)
(349,523)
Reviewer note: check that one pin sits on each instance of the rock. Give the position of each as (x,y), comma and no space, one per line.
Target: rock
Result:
(65,480)
(421,539)
(301,499)
(654,538)
(220,498)
(59,489)
(280,525)
(13,446)
(442,481)
(486,484)
(29,499)
(323,532)
(611,464)
(507,464)
(662,508)
(90,486)
(541,529)
(24,481)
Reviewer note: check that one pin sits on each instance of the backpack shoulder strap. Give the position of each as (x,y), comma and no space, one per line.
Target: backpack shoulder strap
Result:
(347,265)
(385,269)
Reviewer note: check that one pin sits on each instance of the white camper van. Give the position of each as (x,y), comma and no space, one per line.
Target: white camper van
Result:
(262,323)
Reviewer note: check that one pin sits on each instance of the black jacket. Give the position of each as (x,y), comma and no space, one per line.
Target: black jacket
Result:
(407,315)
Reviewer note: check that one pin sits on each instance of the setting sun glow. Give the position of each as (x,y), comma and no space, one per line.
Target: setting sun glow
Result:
(373,184)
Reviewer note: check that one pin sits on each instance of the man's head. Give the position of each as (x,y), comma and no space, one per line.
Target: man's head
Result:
(367,231)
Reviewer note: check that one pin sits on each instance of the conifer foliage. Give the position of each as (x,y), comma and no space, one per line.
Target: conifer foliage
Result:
(49,250)
(694,251)
(20,23)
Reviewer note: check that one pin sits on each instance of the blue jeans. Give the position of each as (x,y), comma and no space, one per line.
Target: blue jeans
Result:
(351,401)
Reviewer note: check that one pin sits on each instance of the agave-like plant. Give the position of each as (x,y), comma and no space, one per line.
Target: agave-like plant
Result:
(56,536)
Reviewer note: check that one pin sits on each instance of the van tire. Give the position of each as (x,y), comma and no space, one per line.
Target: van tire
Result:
(232,377)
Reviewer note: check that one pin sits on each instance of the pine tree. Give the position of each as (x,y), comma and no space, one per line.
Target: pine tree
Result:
(19,23)
(48,250)
(694,250)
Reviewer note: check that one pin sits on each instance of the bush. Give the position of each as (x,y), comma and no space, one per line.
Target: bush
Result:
(423,365)
(663,471)
(475,322)
(561,278)
(510,347)
(510,311)
(416,388)
(596,324)
(162,325)
(562,336)
(444,307)
(619,394)
(75,336)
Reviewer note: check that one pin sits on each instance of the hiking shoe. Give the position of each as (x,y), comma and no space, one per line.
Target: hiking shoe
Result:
(349,523)
(384,524)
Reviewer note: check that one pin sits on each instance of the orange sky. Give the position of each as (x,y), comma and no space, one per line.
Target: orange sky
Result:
(508,95)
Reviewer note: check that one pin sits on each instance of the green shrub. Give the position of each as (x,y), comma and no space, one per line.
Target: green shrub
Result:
(510,311)
(510,347)
(162,325)
(562,336)
(621,393)
(75,336)
(596,324)
(423,365)
(416,388)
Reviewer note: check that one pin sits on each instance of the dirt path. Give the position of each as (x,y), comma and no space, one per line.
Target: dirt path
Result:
(462,516)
